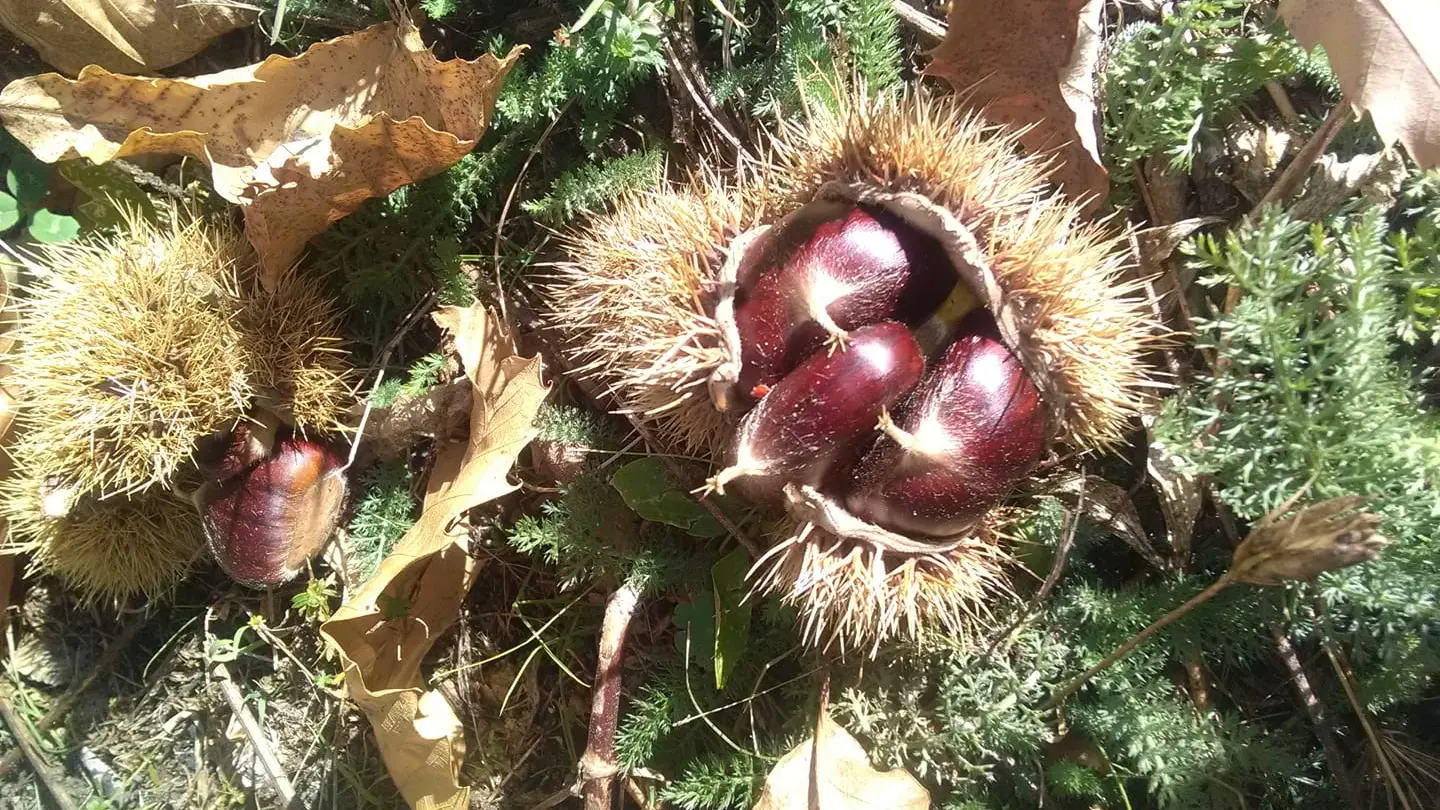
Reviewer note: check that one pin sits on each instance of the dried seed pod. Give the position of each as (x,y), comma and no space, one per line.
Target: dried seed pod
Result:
(972,429)
(827,269)
(267,513)
(819,410)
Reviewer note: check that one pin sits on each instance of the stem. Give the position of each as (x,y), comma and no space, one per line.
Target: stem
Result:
(44,772)
(269,763)
(1139,638)
(598,767)
(63,706)
(1316,710)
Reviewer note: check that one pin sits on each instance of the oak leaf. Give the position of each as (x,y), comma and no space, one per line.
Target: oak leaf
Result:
(1031,64)
(384,629)
(1387,58)
(297,142)
(837,768)
(126,36)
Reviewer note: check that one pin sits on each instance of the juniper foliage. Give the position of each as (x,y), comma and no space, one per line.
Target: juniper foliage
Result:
(1170,84)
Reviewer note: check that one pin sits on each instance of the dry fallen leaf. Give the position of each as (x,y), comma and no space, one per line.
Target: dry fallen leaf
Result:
(298,143)
(384,629)
(1031,63)
(1387,58)
(1109,506)
(843,780)
(126,36)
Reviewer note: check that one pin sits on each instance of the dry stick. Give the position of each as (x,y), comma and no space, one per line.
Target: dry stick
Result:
(67,702)
(1057,568)
(26,745)
(598,767)
(923,23)
(1139,638)
(1316,710)
(258,741)
(1290,179)
(1347,680)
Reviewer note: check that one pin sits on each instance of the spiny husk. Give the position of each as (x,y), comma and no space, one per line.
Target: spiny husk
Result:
(108,549)
(852,596)
(639,299)
(632,299)
(133,347)
(298,363)
(126,353)
(1084,323)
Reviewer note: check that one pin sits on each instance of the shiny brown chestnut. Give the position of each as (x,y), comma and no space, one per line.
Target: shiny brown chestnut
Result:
(272,505)
(972,429)
(819,410)
(827,269)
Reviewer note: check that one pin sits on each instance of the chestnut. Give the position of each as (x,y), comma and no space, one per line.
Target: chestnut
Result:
(272,505)
(817,412)
(829,268)
(972,429)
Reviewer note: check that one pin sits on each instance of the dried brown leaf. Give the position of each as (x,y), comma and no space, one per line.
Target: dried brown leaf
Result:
(1110,506)
(385,628)
(298,143)
(126,36)
(843,778)
(1031,63)
(1180,496)
(1387,58)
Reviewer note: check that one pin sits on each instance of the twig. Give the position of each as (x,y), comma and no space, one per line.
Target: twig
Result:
(680,53)
(510,199)
(67,702)
(598,767)
(1316,710)
(923,23)
(1290,179)
(381,361)
(1347,680)
(27,746)
(1057,568)
(1282,102)
(1139,638)
(258,741)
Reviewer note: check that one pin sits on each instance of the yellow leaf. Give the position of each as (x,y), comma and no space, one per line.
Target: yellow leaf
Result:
(298,143)
(1031,63)
(385,628)
(842,777)
(1387,58)
(126,36)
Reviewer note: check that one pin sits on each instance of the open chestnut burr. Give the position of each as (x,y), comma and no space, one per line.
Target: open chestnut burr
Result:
(879,334)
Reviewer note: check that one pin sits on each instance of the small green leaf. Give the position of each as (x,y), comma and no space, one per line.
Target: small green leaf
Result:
(696,621)
(47,226)
(647,489)
(27,178)
(110,189)
(732,612)
(9,212)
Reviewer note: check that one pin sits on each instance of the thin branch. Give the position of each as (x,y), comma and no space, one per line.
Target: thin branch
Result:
(598,767)
(923,24)
(67,702)
(269,763)
(1139,638)
(27,746)
(1290,179)
(1316,710)
(1347,680)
